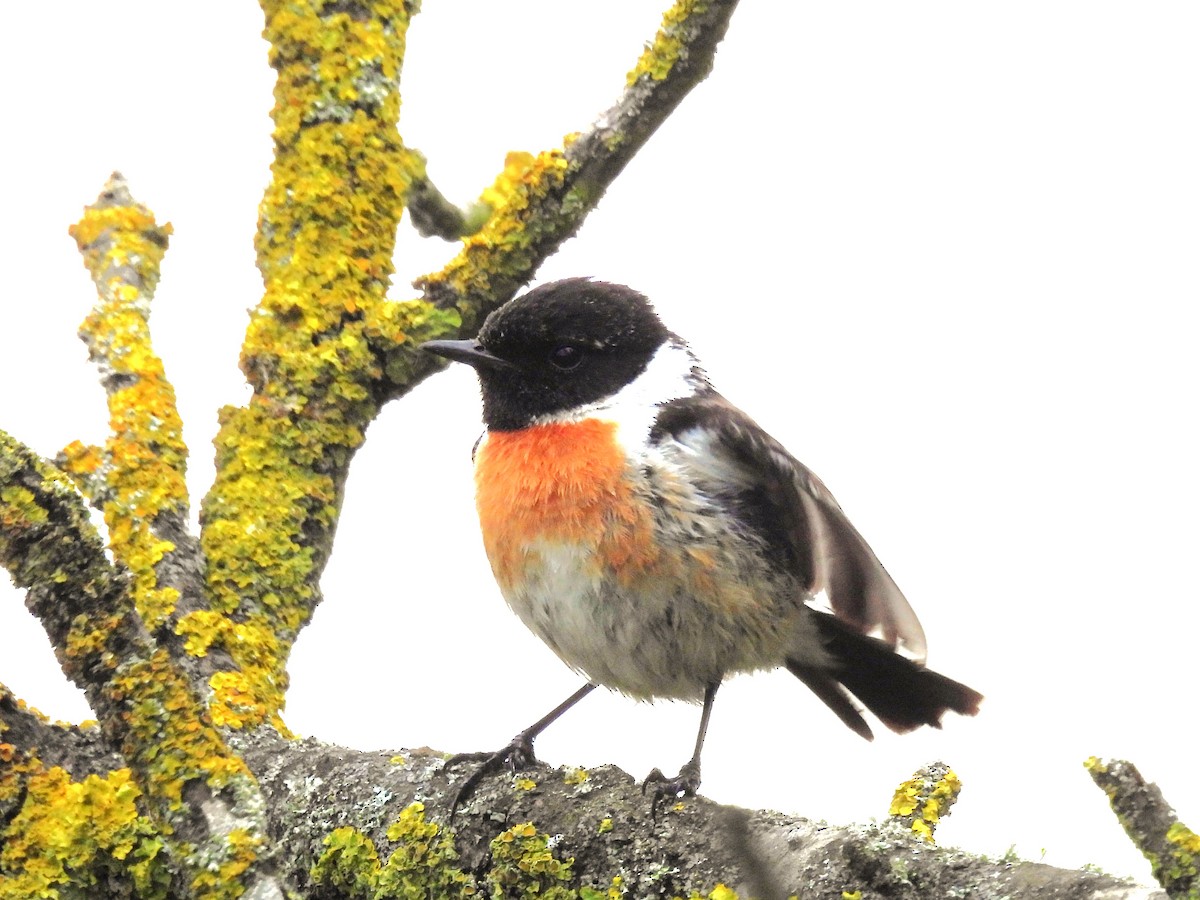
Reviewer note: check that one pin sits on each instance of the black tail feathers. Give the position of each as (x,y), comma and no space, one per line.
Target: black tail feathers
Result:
(901,693)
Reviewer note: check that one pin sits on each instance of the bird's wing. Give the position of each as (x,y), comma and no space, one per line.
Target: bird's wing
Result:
(796,517)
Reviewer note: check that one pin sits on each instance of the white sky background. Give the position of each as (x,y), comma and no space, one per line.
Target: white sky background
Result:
(945,252)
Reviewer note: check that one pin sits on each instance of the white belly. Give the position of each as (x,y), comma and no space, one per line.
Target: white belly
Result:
(655,640)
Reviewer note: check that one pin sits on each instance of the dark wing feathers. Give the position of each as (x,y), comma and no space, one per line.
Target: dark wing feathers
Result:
(795,515)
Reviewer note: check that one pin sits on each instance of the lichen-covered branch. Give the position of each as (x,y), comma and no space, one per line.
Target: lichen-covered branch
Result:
(922,801)
(49,547)
(326,234)
(1172,848)
(189,782)
(588,834)
(548,199)
(78,748)
(432,215)
(369,825)
(137,478)
(70,813)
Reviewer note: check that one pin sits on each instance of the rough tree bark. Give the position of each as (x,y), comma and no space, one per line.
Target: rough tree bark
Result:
(189,783)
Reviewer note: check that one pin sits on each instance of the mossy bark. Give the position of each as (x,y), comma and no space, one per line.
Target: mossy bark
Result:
(353,824)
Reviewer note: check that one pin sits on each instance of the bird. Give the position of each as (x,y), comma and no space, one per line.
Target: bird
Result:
(659,541)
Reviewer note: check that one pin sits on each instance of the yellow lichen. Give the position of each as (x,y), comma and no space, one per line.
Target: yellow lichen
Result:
(524,865)
(720,892)
(253,693)
(139,475)
(661,55)
(325,241)
(920,802)
(219,879)
(272,490)
(1178,870)
(77,837)
(508,245)
(423,863)
(1184,838)
(19,508)
(507,184)
(170,738)
(33,711)
(149,706)
(575,775)
(906,798)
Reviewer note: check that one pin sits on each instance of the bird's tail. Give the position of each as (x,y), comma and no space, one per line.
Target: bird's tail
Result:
(901,693)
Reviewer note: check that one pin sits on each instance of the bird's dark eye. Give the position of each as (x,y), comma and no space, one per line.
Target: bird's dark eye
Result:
(568,356)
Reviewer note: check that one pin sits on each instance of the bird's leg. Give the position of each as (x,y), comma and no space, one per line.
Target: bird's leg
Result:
(517,753)
(687,782)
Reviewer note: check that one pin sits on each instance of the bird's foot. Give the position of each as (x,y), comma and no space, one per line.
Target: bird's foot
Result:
(516,755)
(685,784)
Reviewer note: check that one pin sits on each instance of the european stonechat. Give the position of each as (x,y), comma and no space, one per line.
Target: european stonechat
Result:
(658,540)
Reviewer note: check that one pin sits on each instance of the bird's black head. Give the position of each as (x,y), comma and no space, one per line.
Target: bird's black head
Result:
(560,346)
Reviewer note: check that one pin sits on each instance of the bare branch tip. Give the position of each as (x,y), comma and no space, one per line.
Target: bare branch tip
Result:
(115,193)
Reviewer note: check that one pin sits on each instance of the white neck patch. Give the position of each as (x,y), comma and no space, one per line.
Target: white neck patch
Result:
(672,374)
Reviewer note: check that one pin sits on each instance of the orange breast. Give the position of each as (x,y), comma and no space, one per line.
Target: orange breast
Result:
(560,483)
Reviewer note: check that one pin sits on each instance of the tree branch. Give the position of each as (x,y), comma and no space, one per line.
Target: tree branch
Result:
(432,215)
(138,478)
(50,547)
(325,241)
(545,198)
(80,749)
(146,705)
(363,825)
(1172,848)
(600,821)
(920,803)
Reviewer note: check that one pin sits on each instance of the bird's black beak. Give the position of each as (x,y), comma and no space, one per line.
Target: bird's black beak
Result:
(470,352)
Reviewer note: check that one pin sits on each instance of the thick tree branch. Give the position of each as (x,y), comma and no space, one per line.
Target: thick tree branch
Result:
(600,819)
(326,235)
(1172,848)
(146,705)
(373,824)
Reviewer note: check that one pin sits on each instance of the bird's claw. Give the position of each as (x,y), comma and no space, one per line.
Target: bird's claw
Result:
(516,755)
(685,784)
